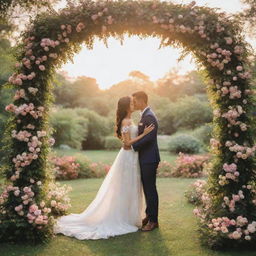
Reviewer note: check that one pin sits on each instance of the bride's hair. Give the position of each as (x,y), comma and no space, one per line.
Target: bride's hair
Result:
(123,107)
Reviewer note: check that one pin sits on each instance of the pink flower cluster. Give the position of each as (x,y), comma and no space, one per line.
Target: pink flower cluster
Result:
(231,202)
(80,26)
(19,94)
(58,198)
(25,109)
(47,42)
(222,224)
(32,90)
(65,167)
(190,166)
(17,79)
(38,216)
(243,229)
(24,159)
(234,92)
(27,196)
(35,143)
(231,171)
(242,152)
(63,36)
(21,135)
(219,58)
(214,143)
(4,195)
(233,114)
(30,126)
(164,169)
(99,169)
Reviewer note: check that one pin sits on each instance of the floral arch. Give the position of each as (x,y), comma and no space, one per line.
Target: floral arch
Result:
(228,214)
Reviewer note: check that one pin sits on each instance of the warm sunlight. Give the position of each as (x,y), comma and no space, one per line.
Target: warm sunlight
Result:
(112,65)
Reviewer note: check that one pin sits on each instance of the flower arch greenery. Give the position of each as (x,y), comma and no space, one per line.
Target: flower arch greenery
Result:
(228,214)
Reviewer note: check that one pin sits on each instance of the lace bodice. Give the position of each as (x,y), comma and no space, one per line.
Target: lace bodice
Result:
(132,129)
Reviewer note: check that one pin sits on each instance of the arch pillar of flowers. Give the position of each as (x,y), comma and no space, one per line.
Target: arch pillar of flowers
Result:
(228,214)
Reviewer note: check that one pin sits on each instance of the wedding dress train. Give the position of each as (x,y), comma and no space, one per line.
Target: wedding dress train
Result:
(118,207)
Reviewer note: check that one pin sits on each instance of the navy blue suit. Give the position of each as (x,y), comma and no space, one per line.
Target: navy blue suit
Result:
(149,159)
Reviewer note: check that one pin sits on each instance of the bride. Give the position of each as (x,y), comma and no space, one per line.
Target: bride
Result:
(118,206)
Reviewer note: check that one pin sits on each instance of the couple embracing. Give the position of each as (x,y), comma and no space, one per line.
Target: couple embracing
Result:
(127,199)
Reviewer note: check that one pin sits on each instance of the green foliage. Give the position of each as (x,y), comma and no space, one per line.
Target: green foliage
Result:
(190,112)
(112,142)
(175,86)
(85,170)
(97,129)
(203,133)
(166,118)
(195,192)
(184,143)
(164,169)
(69,127)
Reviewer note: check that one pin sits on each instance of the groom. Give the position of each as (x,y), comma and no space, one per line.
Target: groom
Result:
(149,159)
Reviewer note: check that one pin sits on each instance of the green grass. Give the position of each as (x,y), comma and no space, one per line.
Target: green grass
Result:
(105,156)
(176,236)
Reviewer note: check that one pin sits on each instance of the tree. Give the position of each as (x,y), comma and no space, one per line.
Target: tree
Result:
(12,9)
(139,75)
(249,15)
(79,93)
(175,86)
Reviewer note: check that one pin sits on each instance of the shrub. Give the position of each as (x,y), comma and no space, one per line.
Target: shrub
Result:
(184,143)
(112,142)
(68,128)
(65,167)
(97,129)
(195,192)
(190,112)
(189,166)
(57,198)
(84,169)
(99,169)
(203,133)
(69,167)
(164,169)
(166,117)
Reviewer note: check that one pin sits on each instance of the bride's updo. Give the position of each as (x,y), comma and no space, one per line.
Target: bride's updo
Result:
(123,107)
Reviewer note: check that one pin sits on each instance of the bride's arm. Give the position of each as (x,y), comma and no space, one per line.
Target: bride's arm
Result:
(126,138)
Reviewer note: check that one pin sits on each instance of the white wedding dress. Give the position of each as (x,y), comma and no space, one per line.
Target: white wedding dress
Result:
(118,207)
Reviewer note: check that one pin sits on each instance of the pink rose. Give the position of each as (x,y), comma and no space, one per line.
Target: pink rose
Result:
(239,68)
(42,67)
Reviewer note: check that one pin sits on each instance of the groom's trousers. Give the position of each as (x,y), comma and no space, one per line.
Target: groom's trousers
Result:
(148,177)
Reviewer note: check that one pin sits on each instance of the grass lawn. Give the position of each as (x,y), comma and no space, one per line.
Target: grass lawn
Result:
(176,236)
(105,156)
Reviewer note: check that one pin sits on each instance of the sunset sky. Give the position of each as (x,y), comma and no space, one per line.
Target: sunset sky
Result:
(112,65)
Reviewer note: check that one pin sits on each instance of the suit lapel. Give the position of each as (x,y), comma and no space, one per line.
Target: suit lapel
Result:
(141,127)
(145,112)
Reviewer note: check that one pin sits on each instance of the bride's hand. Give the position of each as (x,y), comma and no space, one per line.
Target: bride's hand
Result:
(148,129)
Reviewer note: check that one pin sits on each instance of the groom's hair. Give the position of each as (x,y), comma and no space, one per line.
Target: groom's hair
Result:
(141,95)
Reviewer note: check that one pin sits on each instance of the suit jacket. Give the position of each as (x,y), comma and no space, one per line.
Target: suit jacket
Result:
(147,146)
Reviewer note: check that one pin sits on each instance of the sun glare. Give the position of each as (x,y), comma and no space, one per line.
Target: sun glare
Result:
(113,64)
